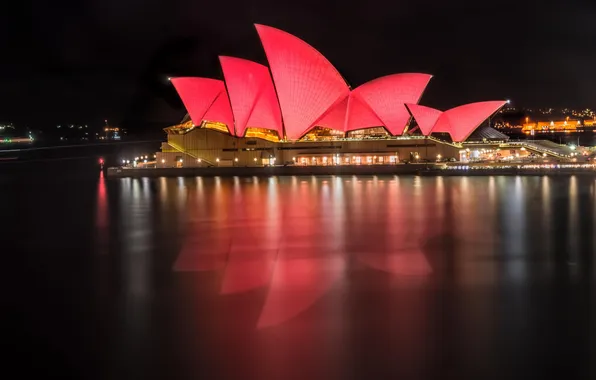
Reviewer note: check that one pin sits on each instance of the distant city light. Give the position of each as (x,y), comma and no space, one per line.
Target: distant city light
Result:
(163,161)
(198,160)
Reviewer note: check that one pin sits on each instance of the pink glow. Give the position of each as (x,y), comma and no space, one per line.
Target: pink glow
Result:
(401,263)
(197,94)
(361,116)
(387,95)
(307,84)
(248,269)
(461,121)
(253,251)
(350,114)
(298,282)
(335,118)
(252,95)
(426,117)
(221,111)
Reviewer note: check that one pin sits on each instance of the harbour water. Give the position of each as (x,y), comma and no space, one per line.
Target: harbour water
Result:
(299,277)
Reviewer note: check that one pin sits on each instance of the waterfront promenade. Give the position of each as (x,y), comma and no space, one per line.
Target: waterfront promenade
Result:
(401,169)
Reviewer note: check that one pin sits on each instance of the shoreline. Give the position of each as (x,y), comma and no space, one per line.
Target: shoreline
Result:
(410,169)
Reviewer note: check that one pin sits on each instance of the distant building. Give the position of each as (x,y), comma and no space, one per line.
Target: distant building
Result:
(567,125)
(112,133)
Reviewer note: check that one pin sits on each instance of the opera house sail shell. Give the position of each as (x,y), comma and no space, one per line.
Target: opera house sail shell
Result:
(458,122)
(301,90)
(252,95)
(205,99)
(307,84)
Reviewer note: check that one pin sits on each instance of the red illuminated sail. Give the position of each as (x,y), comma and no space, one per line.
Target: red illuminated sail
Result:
(387,95)
(461,121)
(307,84)
(221,112)
(252,96)
(426,117)
(197,94)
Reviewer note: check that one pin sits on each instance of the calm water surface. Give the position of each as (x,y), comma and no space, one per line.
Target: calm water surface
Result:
(300,277)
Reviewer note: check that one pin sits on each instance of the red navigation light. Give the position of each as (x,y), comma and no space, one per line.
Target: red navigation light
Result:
(101,161)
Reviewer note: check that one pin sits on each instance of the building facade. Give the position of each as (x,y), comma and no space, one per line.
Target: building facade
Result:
(301,111)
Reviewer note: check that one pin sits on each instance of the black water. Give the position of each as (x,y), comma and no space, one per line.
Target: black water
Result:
(297,277)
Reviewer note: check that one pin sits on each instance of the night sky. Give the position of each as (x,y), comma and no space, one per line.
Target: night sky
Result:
(85,61)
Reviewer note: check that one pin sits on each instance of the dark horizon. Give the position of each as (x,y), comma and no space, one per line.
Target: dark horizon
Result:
(106,60)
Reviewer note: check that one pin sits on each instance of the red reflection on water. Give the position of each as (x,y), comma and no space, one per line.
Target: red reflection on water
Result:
(410,262)
(204,252)
(247,269)
(298,282)
(102,217)
(208,235)
(102,202)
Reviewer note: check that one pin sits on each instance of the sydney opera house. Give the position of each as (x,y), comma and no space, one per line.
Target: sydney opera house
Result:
(301,111)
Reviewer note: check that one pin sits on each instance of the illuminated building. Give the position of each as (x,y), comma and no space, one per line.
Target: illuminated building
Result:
(560,126)
(301,110)
(111,133)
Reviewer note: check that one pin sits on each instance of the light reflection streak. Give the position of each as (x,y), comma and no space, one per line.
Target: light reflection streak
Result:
(102,220)
(137,235)
(515,230)
(547,215)
(573,224)
(255,243)
(137,231)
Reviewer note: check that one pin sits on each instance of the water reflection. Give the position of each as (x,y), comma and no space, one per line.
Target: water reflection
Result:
(298,237)
(345,275)
(102,217)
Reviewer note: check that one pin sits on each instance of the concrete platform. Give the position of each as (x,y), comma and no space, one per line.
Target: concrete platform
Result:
(403,169)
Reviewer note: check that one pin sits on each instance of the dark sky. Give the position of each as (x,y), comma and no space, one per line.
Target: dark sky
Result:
(87,60)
